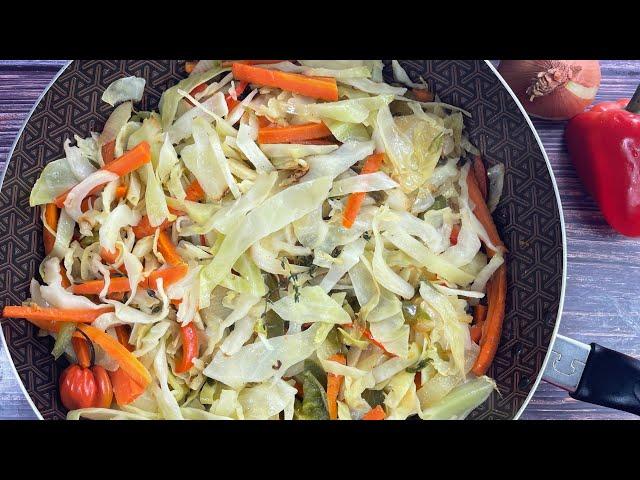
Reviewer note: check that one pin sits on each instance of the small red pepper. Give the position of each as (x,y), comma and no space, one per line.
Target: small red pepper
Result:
(84,387)
(604,145)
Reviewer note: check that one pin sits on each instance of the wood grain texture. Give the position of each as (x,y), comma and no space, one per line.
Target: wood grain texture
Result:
(601,303)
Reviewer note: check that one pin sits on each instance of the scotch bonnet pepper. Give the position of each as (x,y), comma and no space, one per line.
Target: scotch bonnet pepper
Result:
(604,145)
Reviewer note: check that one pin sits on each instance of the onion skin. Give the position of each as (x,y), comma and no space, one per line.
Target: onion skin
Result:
(552,89)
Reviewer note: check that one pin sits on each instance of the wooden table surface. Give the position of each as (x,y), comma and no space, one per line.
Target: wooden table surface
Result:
(601,303)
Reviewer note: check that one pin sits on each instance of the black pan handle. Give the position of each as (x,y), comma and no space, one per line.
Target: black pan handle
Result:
(595,374)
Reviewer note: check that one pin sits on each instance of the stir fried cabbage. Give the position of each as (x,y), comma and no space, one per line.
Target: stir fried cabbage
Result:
(228,261)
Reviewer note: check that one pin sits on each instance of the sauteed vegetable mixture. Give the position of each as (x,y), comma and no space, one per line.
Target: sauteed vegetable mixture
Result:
(281,240)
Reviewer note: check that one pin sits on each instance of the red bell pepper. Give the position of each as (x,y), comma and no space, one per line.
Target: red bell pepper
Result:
(604,145)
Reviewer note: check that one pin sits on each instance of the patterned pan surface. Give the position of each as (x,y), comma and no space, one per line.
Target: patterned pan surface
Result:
(528,217)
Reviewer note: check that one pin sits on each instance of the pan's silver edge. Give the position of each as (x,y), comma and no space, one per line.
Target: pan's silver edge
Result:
(4,171)
(564,241)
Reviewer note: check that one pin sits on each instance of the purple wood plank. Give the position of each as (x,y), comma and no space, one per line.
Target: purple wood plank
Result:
(601,301)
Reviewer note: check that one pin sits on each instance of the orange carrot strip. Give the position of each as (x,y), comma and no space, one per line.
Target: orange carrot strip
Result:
(476,333)
(189,336)
(127,163)
(293,133)
(108,151)
(480,313)
(194,192)
(63,273)
(481,175)
(455,231)
(107,256)
(233,102)
(168,249)
(264,122)
(371,165)
(175,301)
(35,312)
(81,347)
(492,327)
(121,191)
(375,414)
(322,88)
(423,95)
(197,89)
(144,228)
(334,382)
(51,214)
(169,275)
(130,364)
(367,333)
(482,213)
(123,332)
(94,287)
(189,66)
(125,389)
(118,296)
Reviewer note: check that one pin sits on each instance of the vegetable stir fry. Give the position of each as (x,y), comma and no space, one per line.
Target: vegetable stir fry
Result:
(281,240)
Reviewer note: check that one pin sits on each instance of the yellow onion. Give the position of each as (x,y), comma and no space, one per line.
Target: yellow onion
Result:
(552,89)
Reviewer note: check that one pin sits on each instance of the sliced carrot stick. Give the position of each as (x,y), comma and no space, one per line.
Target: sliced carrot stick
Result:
(127,163)
(108,151)
(375,414)
(371,165)
(125,389)
(123,332)
(50,314)
(293,133)
(94,287)
(481,175)
(233,102)
(197,89)
(492,327)
(121,191)
(144,228)
(175,301)
(417,380)
(81,347)
(130,364)
(476,333)
(479,313)
(51,214)
(168,275)
(168,250)
(367,333)
(87,202)
(189,336)
(322,88)
(264,122)
(423,95)
(455,231)
(107,256)
(482,213)
(228,63)
(334,382)
(194,192)
(118,296)
(63,273)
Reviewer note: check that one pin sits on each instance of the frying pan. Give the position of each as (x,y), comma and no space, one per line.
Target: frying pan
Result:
(529,218)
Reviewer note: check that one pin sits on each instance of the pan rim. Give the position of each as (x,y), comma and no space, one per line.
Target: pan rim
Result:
(2,175)
(549,169)
(564,240)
